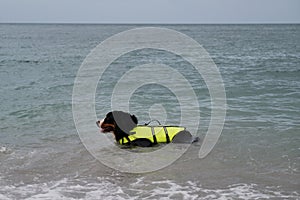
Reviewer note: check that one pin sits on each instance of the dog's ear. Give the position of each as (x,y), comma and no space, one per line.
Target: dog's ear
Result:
(134,119)
(124,121)
(109,114)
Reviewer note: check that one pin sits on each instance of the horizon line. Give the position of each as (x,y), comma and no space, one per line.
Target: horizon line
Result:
(158,23)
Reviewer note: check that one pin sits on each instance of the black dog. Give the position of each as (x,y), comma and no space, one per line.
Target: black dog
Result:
(126,131)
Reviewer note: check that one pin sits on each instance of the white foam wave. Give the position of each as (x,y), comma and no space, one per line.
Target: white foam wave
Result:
(3,149)
(169,190)
(103,188)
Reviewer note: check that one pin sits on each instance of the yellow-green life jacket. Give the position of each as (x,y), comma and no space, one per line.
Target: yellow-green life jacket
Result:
(155,134)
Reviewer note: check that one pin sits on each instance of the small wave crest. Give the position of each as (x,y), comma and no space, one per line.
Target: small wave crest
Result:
(4,150)
(104,188)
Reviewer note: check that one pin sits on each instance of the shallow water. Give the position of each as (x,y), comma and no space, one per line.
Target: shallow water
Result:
(256,157)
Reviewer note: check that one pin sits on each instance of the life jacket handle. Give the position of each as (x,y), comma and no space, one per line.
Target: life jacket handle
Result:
(153,120)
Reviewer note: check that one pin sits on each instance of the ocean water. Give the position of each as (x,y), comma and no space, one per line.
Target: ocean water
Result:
(256,157)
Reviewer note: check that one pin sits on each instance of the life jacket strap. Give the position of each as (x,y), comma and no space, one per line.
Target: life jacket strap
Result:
(167,135)
(127,138)
(154,136)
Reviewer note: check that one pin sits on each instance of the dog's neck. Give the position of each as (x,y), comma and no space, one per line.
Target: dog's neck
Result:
(119,134)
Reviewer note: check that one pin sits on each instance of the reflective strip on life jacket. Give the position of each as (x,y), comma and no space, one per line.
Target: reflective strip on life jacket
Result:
(155,134)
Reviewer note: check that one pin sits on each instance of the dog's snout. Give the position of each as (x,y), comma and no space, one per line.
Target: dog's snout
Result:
(99,122)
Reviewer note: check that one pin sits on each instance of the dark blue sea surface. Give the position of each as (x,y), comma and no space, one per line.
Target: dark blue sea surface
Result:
(256,157)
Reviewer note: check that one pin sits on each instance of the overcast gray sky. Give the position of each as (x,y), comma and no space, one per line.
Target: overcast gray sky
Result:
(150,11)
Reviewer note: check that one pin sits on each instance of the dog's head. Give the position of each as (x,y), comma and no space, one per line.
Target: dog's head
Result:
(117,121)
